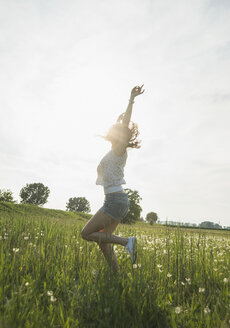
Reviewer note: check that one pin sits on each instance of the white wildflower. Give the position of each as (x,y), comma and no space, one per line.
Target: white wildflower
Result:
(225,280)
(26,237)
(177,309)
(52,298)
(27,283)
(50,293)
(188,280)
(207,310)
(182,283)
(201,290)
(159,265)
(134,266)
(15,250)
(169,275)
(165,252)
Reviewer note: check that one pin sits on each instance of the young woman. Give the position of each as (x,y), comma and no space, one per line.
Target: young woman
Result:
(110,171)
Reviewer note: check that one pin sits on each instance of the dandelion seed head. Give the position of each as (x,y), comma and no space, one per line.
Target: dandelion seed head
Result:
(177,309)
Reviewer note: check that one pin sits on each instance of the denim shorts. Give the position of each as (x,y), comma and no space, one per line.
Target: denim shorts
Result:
(116,205)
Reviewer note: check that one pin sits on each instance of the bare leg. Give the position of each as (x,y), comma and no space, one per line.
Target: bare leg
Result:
(99,228)
(110,256)
(103,226)
(106,237)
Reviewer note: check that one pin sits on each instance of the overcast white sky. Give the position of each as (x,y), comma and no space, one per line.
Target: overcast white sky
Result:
(66,71)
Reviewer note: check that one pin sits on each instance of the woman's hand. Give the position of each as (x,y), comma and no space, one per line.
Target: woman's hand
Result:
(136,91)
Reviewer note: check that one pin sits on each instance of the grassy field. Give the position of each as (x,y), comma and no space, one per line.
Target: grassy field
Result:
(51,277)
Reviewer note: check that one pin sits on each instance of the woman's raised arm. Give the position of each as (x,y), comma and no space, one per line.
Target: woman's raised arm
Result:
(136,91)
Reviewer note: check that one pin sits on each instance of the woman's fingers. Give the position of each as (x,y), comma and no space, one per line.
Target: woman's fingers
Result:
(136,91)
(139,89)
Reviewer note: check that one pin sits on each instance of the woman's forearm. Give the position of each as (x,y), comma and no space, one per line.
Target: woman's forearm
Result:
(128,113)
(136,91)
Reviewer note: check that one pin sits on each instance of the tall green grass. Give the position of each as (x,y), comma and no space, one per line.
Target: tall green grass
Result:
(51,277)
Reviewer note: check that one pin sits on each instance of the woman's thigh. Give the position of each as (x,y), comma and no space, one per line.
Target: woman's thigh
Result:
(100,222)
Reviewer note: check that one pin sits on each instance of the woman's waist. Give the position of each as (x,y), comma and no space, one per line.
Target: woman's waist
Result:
(113,189)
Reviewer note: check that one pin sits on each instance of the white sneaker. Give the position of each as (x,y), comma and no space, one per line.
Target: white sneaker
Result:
(131,247)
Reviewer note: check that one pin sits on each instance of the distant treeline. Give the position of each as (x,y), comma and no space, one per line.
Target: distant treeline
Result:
(202,225)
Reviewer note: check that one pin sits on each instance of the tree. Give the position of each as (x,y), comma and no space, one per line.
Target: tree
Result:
(151,217)
(34,193)
(78,204)
(6,196)
(135,209)
(209,225)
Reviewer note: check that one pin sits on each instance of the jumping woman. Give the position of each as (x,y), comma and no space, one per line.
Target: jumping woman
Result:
(110,174)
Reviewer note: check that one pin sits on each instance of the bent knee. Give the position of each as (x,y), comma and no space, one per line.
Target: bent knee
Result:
(84,234)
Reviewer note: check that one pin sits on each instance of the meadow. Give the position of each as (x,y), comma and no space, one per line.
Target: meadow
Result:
(51,277)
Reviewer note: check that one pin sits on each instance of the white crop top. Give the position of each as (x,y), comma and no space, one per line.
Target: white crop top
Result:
(110,171)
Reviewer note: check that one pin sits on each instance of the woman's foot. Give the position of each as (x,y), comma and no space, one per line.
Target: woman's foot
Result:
(131,247)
